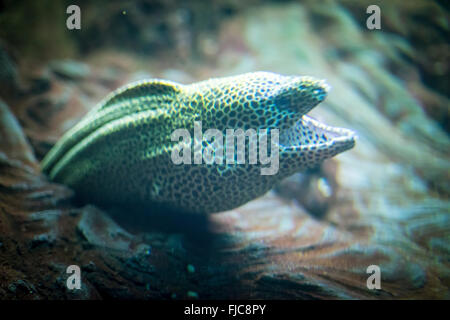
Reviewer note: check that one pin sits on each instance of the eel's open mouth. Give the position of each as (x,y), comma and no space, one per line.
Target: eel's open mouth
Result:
(310,134)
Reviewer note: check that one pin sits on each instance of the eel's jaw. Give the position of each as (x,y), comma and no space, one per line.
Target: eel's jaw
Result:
(315,141)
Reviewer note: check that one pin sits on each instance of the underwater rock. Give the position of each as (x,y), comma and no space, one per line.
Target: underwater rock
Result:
(22,287)
(70,69)
(101,230)
(9,76)
(314,189)
(12,140)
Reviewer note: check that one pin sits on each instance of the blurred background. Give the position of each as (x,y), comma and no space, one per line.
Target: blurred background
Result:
(385,202)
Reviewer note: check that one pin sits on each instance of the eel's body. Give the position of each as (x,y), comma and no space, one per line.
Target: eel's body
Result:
(120,153)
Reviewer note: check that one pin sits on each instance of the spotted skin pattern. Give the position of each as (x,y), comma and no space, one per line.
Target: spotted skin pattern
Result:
(120,152)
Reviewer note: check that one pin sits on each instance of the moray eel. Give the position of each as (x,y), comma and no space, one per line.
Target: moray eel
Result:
(120,152)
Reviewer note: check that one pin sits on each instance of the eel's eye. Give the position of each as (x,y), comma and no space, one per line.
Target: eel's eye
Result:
(300,95)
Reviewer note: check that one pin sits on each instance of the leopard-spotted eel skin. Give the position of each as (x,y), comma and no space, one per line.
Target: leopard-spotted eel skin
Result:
(120,152)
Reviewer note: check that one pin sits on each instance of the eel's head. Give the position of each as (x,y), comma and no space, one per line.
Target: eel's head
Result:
(260,100)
